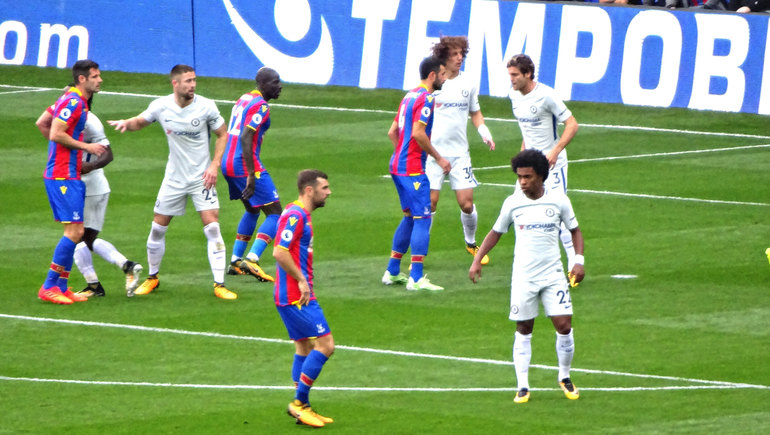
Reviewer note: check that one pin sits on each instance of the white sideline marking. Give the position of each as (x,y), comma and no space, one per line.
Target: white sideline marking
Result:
(639,156)
(391,112)
(644,195)
(716,384)
(383,389)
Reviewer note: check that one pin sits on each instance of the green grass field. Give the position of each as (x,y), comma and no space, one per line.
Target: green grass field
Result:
(679,199)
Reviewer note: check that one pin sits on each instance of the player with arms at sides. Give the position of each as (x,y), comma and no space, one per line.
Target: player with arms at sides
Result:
(536,213)
(410,134)
(295,298)
(247,178)
(188,120)
(538,109)
(97,196)
(457,99)
(66,191)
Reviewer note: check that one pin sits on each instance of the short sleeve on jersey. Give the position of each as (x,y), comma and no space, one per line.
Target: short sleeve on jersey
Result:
(257,116)
(292,219)
(426,112)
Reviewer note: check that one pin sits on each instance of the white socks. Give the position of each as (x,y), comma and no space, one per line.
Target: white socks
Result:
(156,247)
(216,251)
(522,354)
(107,251)
(565,349)
(470,222)
(85,263)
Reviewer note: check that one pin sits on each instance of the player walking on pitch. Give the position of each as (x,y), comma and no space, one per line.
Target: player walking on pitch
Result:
(410,134)
(536,212)
(247,178)
(295,297)
(537,109)
(456,99)
(187,119)
(66,191)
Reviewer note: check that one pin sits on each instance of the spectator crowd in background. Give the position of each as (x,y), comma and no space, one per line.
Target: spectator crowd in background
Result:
(739,6)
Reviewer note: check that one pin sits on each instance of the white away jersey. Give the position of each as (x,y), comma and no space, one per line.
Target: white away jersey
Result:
(96,182)
(539,113)
(188,131)
(454,101)
(536,224)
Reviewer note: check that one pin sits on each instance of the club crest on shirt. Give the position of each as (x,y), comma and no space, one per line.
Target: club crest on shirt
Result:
(195,122)
(550,212)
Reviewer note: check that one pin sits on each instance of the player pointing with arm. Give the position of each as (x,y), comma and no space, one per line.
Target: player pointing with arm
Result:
(535,213)
(187,119)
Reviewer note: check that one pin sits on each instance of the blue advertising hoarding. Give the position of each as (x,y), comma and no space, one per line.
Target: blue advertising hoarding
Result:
(653,57)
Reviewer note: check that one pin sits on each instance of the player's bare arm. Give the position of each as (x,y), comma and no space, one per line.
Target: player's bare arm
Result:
(491,239)
(132,124)
(210,174)
(283,258)
(478,121)
(393,133)
(422,139)
(102,161)
(60,136)
(43,124)
(570,130)
(578,271)
(247,140)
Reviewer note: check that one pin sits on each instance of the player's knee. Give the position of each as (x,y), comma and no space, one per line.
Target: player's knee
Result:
(89,235)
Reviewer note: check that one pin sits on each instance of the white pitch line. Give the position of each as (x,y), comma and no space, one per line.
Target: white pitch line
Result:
(367,389)
(365,349)
(639,156)
(391,112)
(644,195)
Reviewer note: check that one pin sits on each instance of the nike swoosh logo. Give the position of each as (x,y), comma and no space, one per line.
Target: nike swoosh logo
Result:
(316,68)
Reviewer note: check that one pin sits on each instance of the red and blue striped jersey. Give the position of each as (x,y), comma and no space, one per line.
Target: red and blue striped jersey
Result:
(417,106)
(250,111)
(295,234)
(64,163)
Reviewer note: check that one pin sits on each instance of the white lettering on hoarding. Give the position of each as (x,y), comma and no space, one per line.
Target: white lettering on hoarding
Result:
(418,45)
(19,53)
(642,28)
(570,68)
(64,34)
(373,14)
(764,94)
(484,37)
(708,64)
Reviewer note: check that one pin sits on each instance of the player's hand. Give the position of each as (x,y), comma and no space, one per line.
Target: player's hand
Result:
(552,157)
(210,177)
(96,149)
(474,273)
(249,189)
(491,143)
(445,165)
(304,290)
(576,275)
(120,125)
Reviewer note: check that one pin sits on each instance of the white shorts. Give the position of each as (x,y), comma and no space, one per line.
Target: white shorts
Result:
(527,295)
(460,177)
(94,209)
(172,198)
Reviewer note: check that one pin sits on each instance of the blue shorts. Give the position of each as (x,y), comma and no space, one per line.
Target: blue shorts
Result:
(264,189)
(306,322)
(414,193)
(67,198)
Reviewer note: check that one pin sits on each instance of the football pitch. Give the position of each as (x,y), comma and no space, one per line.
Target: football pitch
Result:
(671,323)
